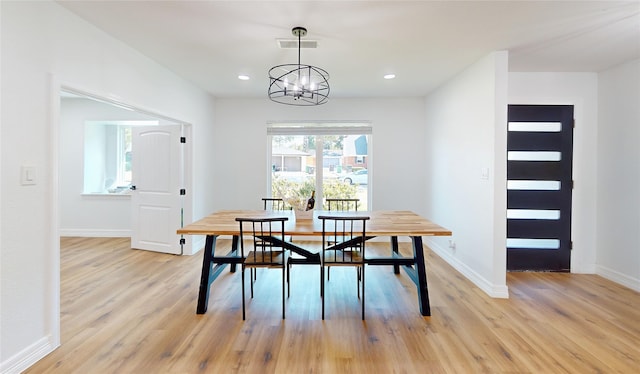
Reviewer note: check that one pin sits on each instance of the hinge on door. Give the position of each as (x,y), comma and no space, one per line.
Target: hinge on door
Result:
(183,241)
(183,192)
(574,123)
(573,184)
(183,139)
(571,245)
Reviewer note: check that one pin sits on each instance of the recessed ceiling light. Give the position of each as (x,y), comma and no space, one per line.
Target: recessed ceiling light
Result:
(389,76)
(243,77)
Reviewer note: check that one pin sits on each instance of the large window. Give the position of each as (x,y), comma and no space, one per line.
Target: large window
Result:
(331,159)
(107,155)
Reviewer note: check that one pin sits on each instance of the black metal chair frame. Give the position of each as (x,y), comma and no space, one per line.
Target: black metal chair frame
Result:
(266,250)
(343,244)
(274,203)
(342,204)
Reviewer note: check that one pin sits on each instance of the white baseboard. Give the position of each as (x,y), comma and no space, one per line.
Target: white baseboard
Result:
(28,356)
(616,276)
(493,290)
(90,233)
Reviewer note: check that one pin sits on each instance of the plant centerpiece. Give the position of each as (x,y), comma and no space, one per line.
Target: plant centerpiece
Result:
(295,194)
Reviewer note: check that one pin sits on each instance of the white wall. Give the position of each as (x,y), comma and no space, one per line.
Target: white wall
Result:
(618,182)
(466,133)
(396,148)
(579,90)
(43,47)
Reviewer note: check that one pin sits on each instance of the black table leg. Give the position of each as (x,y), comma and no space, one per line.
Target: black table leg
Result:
(205,277)
(234,249)
(423,290)
(394,249)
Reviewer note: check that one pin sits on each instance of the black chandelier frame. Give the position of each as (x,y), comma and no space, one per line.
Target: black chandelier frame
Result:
(282,78)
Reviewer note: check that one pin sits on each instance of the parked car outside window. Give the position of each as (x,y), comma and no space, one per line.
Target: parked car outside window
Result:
(357,177)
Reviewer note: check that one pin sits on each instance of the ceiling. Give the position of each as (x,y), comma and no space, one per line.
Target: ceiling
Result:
(424,43)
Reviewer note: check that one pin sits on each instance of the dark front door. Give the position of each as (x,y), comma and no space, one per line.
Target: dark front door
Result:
(539,187)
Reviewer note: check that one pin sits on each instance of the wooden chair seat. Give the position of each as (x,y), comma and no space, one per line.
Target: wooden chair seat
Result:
(342,257)
(266,258)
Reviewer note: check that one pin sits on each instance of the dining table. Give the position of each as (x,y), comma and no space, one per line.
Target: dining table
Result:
(381,223)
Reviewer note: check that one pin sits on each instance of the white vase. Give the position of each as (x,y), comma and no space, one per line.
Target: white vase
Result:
(303,214)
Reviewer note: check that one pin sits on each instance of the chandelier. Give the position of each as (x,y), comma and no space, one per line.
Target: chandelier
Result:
(298,84)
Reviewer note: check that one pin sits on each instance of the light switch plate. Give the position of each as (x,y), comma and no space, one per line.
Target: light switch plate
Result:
(28,175)
(484,173)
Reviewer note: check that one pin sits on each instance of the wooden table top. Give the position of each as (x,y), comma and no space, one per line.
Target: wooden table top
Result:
(381,223)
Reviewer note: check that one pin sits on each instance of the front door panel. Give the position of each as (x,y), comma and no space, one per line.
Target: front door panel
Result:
(539,187)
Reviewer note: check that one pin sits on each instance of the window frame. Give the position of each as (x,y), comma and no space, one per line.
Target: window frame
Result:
(319,129)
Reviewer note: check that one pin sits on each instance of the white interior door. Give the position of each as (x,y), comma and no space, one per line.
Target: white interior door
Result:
(157,165)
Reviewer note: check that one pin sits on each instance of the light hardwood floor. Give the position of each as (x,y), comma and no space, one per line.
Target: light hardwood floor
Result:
(130,311)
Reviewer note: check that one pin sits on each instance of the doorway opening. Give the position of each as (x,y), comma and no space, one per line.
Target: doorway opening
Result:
(80,150)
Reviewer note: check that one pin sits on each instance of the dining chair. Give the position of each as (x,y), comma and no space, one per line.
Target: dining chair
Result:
(259,248)
(343,244)
(342,204)
(273,203)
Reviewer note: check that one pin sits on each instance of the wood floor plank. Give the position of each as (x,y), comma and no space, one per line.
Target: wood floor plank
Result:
(130,311)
